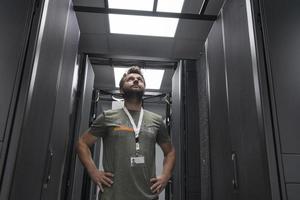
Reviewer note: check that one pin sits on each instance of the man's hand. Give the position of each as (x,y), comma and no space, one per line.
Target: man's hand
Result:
(102,178)
(159,183)
(83,145)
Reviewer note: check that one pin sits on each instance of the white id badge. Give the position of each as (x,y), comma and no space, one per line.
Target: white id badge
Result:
(137,160)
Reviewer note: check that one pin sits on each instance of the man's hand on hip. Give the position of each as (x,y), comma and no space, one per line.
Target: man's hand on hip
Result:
(102,178)
(159,183)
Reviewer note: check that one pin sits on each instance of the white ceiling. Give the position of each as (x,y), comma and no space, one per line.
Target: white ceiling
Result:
(187,44)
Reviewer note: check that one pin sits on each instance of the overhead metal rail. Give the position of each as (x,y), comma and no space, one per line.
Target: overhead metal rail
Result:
(145,62)
(203,7)
(154,13)
(147,94)
(114,56)
(127,63)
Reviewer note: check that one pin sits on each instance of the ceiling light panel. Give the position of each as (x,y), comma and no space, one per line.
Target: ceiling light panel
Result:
(118,72)
(153,77)
(143,25)
(146,5)
(174,6)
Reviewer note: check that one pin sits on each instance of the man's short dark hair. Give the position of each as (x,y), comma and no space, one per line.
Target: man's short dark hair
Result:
(131,70)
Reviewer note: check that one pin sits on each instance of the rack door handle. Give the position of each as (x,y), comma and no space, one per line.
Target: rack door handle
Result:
(49,166)
(235,170)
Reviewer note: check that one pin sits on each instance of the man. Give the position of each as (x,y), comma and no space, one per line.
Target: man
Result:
(129,136)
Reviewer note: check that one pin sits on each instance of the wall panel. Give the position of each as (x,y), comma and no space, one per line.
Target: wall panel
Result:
(219,135)
(247,135)
(280,26)
(293,191)
(239,164)
(291,165)
(177,133)
(15,20)
(282,36)
(192,134)
(202,80)
(62,120)
(33,161)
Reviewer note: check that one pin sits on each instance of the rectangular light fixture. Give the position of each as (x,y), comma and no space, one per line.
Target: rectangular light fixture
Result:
(174,6)
(145,5)
(143,25)
(153,77)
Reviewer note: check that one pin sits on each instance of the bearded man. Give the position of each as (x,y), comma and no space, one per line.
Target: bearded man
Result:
(129,136)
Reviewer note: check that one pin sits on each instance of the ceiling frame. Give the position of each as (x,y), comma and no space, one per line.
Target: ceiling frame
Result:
(99,56)
(106,10)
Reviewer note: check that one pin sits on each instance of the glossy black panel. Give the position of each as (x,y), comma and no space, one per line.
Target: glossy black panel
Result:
(193,156)
(293,191)
(282,34)
(247,136)
(15,19)
(177,133)
(32,160)
(83,122)
(291,165)
(204,128)
(239,166)
(21,82)
(62,117)
(280,25)
(219,135)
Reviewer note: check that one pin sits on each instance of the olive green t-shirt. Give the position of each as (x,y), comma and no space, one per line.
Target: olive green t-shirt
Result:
(130,183)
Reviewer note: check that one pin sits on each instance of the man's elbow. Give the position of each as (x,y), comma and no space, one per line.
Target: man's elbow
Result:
(173,153)
(170,152)
(79,145)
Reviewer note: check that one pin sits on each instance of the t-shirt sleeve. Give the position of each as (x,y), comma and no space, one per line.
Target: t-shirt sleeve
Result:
(98,127)
(163,135)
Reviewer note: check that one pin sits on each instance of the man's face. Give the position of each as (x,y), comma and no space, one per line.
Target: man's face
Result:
(133,83)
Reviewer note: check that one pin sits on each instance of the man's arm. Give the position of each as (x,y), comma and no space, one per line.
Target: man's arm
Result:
(161,181)
(83,150)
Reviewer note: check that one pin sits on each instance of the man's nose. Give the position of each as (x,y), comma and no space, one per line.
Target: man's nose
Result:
(136,81)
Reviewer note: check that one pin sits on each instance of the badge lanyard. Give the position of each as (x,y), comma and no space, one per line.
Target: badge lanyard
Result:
(135,128)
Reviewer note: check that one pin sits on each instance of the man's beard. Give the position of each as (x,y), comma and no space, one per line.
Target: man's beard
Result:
(133,94)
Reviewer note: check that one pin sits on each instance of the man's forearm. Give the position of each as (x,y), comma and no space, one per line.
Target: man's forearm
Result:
(169,163)
(85,156)
(160,182)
